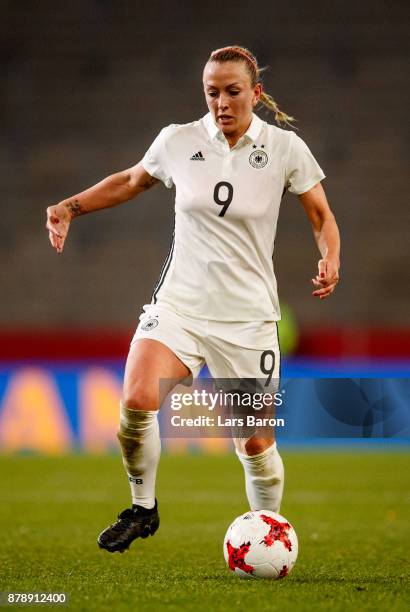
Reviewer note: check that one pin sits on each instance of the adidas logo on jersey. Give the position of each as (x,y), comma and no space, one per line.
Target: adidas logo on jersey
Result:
(198,156)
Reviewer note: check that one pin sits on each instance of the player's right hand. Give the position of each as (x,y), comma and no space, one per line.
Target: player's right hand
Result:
(58,223)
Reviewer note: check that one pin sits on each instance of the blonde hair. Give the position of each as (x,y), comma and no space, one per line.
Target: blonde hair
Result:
(236,53)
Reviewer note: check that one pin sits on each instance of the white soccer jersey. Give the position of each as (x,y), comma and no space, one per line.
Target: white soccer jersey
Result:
(226,208)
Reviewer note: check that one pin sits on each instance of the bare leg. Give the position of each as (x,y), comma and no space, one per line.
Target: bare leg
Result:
(148,362)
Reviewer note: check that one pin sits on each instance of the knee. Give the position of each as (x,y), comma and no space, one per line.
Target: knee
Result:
(140,397)
(255,446)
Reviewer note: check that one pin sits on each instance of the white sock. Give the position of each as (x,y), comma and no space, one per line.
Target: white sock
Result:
(264,479)
(141,449)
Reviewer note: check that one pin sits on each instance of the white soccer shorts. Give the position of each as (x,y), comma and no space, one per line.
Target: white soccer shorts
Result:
(230,349)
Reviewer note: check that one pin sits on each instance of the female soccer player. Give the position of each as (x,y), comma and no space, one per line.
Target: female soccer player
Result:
(216,298)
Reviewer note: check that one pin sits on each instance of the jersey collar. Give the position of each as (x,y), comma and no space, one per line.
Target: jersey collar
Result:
(251,133)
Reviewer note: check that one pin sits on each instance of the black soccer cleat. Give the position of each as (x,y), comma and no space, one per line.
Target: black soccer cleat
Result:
(135,522)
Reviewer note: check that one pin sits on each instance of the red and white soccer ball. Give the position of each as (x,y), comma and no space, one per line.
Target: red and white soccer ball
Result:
(261,544)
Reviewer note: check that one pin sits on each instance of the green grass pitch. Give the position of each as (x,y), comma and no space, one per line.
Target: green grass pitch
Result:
(350,510)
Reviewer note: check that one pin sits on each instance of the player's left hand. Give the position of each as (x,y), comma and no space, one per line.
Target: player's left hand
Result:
(327,278)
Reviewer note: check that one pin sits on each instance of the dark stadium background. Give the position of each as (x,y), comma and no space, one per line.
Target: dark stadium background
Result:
(85,89)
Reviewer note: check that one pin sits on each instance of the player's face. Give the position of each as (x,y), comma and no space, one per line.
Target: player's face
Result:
(230,96)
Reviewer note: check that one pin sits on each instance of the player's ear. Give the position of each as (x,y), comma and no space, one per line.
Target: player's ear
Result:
(257,92)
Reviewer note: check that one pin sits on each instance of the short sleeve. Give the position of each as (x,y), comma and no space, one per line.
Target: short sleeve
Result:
(302,170)
(156,160)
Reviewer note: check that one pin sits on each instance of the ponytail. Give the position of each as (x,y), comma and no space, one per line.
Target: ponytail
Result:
(280,116)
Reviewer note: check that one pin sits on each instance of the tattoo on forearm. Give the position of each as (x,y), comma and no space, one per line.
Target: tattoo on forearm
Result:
(75,208)
(150,182)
